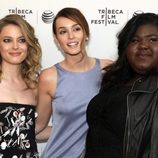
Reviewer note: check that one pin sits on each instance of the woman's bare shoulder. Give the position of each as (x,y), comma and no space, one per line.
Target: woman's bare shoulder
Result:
(105,62)
(48,74)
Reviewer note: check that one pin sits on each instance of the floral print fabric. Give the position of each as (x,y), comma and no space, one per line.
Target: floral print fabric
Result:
(17,134)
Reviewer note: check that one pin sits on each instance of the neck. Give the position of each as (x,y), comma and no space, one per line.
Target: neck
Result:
(77,64)
(11,72)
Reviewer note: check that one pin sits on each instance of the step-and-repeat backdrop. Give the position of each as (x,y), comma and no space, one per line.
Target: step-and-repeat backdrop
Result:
(105,18)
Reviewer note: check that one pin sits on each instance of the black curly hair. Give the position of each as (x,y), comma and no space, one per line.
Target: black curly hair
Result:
(120,71)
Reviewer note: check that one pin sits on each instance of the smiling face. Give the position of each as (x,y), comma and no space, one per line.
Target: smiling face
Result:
(13,47)
(142,51)
(69,35)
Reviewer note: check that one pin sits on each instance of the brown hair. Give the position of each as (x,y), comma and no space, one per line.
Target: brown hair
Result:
(75,15)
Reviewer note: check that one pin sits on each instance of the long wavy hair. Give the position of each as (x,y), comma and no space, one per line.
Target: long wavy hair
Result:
(31,66)
(75,15)
(120,72)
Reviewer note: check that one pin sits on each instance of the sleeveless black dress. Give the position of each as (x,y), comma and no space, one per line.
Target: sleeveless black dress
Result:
(17,135)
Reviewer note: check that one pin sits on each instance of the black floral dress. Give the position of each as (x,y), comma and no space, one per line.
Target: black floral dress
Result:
(17,134)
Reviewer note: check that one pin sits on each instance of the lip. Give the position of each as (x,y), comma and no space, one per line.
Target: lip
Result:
(144,53)
(14,53)
(73,43)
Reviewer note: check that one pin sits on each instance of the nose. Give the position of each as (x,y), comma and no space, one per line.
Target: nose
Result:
(70,34)
(15,45)
(144,44)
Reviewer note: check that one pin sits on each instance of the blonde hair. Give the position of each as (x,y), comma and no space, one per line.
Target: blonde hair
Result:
(30,67)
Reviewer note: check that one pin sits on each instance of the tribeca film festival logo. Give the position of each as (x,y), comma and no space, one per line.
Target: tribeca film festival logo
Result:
(21,12)
(107,16)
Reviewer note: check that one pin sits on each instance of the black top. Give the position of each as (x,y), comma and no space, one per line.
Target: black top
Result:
(106,117)
(17,135)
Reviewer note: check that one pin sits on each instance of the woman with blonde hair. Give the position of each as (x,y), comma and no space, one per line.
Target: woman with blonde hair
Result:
(20,63)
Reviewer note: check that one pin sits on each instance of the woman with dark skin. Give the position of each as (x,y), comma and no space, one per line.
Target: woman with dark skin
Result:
(123,117)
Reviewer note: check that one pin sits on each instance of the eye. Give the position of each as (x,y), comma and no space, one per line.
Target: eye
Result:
(77,28)
(61,32)
(22,40)
(7,40)
(153,39)
(134,40)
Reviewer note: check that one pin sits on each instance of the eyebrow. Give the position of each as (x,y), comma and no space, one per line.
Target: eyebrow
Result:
(64,27)
(150,35)
(12,37)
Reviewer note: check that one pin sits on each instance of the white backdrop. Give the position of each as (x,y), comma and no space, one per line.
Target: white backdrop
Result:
(105,18)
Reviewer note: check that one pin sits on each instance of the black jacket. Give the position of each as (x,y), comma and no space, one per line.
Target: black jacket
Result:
(141,134)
